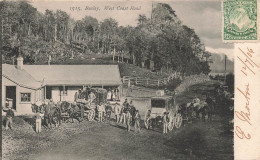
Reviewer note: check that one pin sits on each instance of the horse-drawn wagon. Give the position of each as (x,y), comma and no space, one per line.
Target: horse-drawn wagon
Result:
(159,106)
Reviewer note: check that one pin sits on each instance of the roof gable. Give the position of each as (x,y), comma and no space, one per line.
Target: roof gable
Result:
(75,74)
(20,77)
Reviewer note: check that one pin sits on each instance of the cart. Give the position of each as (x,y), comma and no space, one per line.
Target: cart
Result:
(160,105)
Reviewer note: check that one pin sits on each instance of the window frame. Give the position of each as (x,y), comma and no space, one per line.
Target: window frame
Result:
(30,100)
(66,90)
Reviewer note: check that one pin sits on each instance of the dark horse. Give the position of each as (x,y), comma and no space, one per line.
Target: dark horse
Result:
(186,111)
(74,111)
(206,110)
(108,111)
(52,115)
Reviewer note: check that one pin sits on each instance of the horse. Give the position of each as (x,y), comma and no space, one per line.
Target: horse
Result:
(37,109)
(108,111)
(72,110)
(186,111)
(51,114)
(207,110)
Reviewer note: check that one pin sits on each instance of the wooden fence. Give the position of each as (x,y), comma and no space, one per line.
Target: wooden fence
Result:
(140,81)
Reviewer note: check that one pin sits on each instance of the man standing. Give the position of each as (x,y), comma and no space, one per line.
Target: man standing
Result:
(132,111)
(38,122)
(137,119)
(100,112)
(79,94)
(117,112)
(124,111)
(76,96)
(165,123)
(128,120)
(9,118)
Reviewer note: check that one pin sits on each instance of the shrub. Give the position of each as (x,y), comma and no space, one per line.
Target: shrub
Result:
(191,140)
(173,84)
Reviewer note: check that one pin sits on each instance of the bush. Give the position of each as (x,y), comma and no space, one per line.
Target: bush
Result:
(173,84)
(192,141)
(230,82)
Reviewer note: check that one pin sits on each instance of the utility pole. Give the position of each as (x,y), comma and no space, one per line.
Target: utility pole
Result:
(152,12)
(225,69)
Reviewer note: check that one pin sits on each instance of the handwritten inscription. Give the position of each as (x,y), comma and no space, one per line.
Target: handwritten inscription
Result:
(248,68)
(247,60)
(245,116)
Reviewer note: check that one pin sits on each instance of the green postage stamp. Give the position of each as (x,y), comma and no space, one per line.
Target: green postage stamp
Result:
(240,20)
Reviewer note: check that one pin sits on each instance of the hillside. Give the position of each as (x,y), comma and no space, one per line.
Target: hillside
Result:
(162,42)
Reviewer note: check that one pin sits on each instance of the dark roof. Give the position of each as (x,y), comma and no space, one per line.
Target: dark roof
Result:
(20,77)
(108,75)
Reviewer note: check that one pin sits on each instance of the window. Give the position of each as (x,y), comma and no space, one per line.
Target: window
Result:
(38,95)
(25,97)
(158,103)
(63,90)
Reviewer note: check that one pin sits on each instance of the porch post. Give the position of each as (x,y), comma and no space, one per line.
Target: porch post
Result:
(44,93)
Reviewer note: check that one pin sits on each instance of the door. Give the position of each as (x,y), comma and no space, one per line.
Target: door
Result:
(48,92)
(11,94)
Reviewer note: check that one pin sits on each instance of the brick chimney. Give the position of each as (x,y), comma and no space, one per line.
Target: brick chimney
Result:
(20,62)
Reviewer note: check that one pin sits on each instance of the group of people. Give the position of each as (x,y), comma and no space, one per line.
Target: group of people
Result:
(86,94)
(128,114)
(112,94)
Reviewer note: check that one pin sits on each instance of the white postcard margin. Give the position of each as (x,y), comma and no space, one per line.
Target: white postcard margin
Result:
(247,101)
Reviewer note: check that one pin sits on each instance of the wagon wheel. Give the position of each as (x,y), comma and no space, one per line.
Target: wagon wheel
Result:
(147,119)
(178,120)
(80,119)
(91,115)
(171,121)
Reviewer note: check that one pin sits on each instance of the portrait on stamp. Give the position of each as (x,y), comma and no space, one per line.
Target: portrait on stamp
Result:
(240,20)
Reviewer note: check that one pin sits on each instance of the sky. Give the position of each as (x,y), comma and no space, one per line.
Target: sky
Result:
(202,16)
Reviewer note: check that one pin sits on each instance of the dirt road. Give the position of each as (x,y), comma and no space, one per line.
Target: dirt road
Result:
(110,141)
(95,140)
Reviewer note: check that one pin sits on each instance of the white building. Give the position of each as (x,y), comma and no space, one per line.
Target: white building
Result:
(27,84)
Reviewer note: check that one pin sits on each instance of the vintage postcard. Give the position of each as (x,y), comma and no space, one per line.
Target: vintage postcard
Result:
(130,80)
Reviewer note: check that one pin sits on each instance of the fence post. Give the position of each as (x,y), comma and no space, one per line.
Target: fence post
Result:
(123,79)
(158,82)
(136,80)
(147,81)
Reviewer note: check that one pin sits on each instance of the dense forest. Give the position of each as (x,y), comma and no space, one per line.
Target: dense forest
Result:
(160,38)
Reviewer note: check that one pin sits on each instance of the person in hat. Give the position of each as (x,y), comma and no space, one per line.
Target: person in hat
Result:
(109,94)
(91,97)
(79,94)
(38,122)
(196,101)
(128,120)
(124,111)
(100,109)
(9,117)
(117,112)
(132,110)
(165,123)
(137,119)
